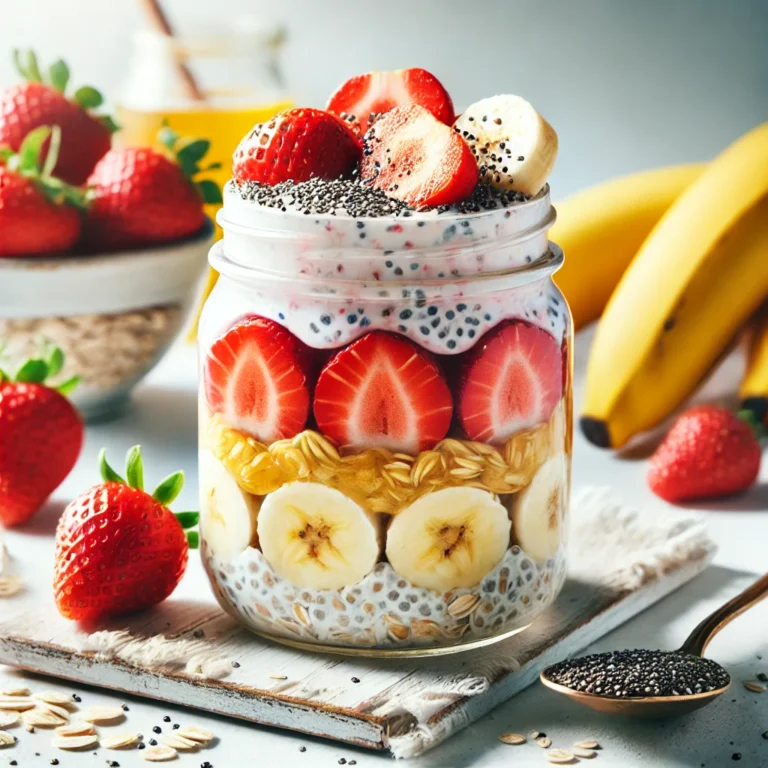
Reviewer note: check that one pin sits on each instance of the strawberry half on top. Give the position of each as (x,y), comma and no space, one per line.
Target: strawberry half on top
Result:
(366,96)
(139,196)
(413,157)
(382,390)
(257,376)
(511,380)
(40,215)
(41,100)
(297,145)
(118,548)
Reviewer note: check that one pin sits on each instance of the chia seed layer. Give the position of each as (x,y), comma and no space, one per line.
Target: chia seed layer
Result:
(353,198)
(383,609)
(640,673)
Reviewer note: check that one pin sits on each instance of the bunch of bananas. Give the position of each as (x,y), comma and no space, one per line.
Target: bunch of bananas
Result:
(676,262)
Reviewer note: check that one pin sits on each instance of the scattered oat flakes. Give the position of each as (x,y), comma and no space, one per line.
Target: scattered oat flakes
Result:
(560,756)
(9,719)
(42,718)
(587,754)
(14,692)
(76,742)
(197,733)
(76,728)
(121,741)
(6,739)
(512,738)
(544,742)
(587,744)
(10,586)
(62,712)
(159,754)
(278,677)
(102,715)
(177,741)
(54,697)
(16,703)
(753,686)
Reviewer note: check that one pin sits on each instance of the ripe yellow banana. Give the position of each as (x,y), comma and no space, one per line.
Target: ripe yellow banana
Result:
(754,385)
(601,229)
(700,275)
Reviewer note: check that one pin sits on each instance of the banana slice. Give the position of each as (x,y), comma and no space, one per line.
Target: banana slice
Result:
(514,145)
(315,536)
(539,509)
(448,539)
(227,513)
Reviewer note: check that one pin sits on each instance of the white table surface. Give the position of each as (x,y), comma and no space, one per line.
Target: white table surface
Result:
(163,420)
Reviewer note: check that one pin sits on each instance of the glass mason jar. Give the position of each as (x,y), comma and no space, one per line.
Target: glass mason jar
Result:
(405,491)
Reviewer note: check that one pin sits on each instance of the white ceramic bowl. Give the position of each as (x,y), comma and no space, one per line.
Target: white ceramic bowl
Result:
(114,315)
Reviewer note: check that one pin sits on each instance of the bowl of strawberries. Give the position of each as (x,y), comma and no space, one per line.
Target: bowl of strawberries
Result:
(101,248)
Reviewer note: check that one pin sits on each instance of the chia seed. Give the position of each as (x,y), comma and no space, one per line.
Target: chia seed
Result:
(345,197)
(640,673)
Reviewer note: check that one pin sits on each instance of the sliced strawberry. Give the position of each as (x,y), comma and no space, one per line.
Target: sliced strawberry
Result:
(298,144)
(368,95)
(511,380)
(382,390)
(413,157)
(258,377)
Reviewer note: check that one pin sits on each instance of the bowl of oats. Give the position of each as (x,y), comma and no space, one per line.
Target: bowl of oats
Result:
(113,314)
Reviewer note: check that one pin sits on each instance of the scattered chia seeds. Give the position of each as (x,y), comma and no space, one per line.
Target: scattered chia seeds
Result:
(640,673)
(340,197)
(484,197)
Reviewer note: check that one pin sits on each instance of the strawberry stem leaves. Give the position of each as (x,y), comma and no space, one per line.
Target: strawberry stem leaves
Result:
(58,75)
(108,475)
(188,519)
(27,66)
(37,370)
(193,539)
(87,97)
(134,468)
(189,153)
(751,418)
(169,489)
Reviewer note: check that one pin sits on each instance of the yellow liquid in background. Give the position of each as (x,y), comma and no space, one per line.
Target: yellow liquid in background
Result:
(223,127)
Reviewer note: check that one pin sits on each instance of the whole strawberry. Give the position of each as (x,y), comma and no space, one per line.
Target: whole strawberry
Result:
(118,548)
(708,452)
(139,196)
(39,214)
(40,436)
(41,100)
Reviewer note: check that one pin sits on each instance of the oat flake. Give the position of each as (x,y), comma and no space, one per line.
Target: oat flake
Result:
(159,754)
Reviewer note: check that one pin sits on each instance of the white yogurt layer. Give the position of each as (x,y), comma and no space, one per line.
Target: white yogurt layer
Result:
(442,280)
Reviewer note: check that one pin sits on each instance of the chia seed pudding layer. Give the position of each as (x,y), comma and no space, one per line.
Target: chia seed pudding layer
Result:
(384,610)
(330,279)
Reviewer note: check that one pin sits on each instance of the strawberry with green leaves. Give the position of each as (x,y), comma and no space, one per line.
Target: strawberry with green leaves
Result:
(139,196)
(708,452)
(41,436)
(120,549)
(41,100)
(40,215)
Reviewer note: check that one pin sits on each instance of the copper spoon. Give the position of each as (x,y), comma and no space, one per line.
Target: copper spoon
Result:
(695,645)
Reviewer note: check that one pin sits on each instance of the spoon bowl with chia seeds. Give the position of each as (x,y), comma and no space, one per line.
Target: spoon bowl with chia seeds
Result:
(644,683)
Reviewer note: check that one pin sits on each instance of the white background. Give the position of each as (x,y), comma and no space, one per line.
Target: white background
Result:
(627,85)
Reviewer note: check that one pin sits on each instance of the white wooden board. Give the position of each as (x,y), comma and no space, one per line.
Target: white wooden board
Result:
(194,655)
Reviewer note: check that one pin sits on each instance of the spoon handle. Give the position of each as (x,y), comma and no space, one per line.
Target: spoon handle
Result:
(698,640)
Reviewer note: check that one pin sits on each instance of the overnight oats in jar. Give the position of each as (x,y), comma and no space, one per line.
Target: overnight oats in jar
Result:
(385,400)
